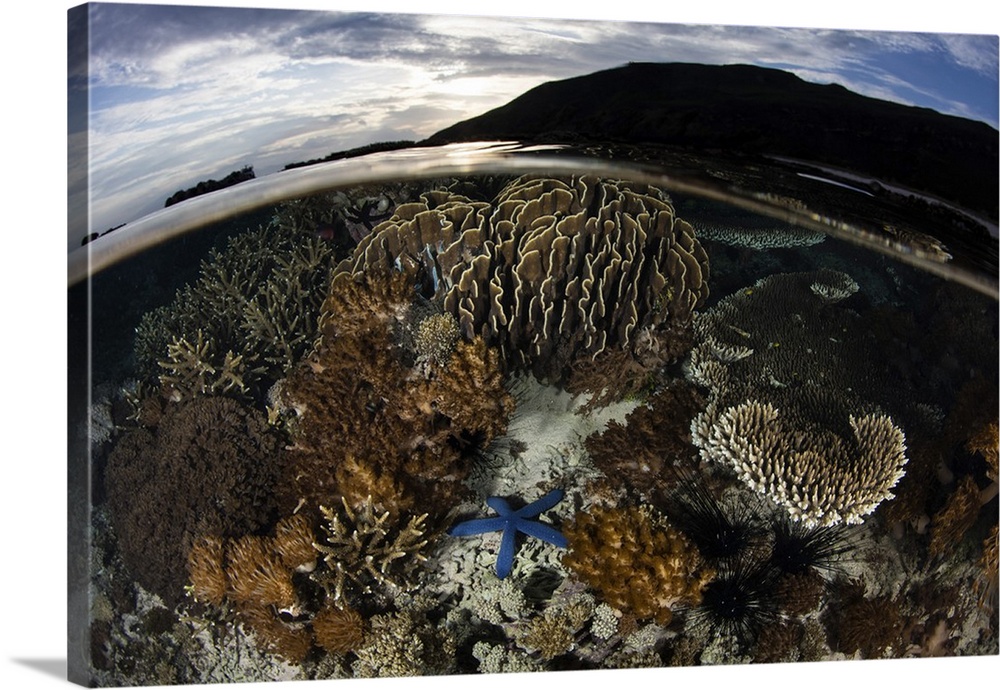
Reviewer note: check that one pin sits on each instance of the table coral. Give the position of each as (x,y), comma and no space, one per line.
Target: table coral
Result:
(819,477)
(774,358)
(636,560)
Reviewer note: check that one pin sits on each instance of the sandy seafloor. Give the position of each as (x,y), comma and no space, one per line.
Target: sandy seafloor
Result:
(484,618)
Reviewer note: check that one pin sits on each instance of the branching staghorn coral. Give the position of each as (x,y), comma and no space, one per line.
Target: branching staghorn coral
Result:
(365,547)
(250,315)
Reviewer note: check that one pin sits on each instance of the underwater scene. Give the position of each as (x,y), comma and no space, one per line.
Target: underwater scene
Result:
(538,421)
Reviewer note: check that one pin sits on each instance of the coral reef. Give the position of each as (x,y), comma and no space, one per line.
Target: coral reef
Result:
(255,574)
(819,477)
(869,626)
(778,413)
(251,314)
(366,421)
(655,437)
(207,469)
(551,270)
(636,560)
(405,643)
(339,629)
(367,547)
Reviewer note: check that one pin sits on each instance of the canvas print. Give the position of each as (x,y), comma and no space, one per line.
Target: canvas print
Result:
(410,345)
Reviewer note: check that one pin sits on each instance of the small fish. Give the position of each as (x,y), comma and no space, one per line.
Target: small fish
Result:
(326,231)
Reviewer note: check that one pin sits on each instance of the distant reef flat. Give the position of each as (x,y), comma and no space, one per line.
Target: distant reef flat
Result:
(755,110)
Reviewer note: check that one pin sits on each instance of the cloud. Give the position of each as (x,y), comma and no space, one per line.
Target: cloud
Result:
(179,93)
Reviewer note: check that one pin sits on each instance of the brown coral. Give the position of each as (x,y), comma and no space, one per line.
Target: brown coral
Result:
(370,423)
(294,542)
(640,453)
(208,579)
(257,576)
(637,561)
(950,524)
(209,468)
(339,629)
(799,593)
(871,626)
(291,641)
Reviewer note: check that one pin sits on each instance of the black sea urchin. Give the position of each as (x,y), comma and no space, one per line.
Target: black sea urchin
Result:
(740,601)
(798,549)
(719,529)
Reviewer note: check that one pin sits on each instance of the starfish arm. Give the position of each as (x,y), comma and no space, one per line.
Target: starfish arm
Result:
(505,557)
(541,505)
(500,505)
(540,530)
(479,526)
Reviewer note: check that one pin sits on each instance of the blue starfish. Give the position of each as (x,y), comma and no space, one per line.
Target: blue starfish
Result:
(512,522)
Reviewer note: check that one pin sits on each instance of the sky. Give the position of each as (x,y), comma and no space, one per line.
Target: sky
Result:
(179,94)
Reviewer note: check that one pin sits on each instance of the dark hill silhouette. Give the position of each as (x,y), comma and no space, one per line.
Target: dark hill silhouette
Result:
(755,110)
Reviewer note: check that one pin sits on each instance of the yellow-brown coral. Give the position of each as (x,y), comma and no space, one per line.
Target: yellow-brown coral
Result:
(208,579)
(289,641)
(257,575)
(370,423)
(950,523)
(293,542)
(339,629)
(638,562)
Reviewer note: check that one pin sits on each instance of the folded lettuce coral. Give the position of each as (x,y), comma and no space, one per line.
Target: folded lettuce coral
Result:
(551,270)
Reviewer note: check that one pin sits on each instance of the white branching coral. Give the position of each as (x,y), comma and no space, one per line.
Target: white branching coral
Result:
(366,546)
(820,477)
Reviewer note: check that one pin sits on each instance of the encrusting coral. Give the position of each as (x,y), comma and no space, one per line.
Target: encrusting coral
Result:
(636,560)
(551,270)
(208,468)
(779,413)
